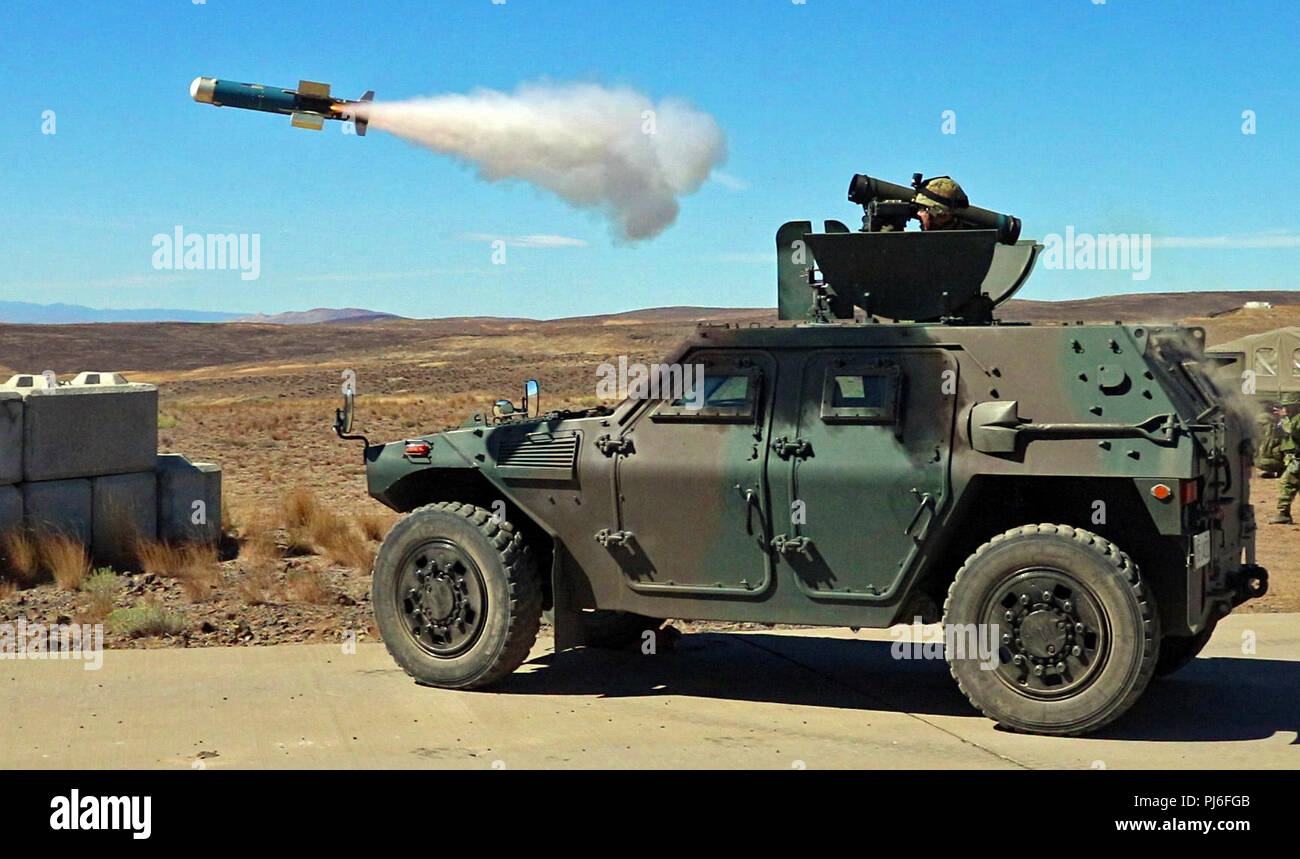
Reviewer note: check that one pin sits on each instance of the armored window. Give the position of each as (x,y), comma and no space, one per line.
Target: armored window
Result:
(723,395)
(1266,361)
(861,394)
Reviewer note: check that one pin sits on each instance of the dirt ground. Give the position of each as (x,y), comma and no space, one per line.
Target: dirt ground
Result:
(259,400)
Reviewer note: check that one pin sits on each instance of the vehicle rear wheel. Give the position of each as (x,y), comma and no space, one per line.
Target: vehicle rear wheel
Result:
(614,629)
(1077,632)
(456,595)
(1177,651)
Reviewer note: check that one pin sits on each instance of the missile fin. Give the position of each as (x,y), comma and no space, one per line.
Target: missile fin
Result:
(312,88)
(362,124)
(307,120)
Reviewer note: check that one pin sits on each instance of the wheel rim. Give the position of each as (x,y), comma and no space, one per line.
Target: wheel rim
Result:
(1054,635)
(441,598)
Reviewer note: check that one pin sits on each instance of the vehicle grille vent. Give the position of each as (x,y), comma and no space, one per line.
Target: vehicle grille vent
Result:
(539,450)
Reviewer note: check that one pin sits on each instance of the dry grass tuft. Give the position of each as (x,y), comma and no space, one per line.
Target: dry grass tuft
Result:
(260,550)
(375,524)
(228,519)
(313,528)
(258,587)
(146,619)
(66,560)
(307,523)
(7,589)
(194,565)
(348,547)
(307,586)
(101,590)
(22,557)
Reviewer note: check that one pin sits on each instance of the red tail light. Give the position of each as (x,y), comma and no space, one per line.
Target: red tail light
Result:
(417,448)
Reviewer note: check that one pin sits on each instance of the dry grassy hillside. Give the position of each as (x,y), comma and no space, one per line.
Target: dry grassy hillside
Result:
(259,400)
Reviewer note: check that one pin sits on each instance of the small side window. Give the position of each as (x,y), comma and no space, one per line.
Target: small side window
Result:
(866,394)
(727,395)
(1295,362)
(1266,361)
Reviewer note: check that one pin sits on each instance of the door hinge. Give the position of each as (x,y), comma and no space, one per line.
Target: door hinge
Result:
(609,445)
(607,538)
(783,545)
(785,448)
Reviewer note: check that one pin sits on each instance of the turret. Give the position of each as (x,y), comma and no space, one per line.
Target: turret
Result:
(956,275)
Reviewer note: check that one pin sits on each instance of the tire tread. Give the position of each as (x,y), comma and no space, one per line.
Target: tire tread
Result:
(1123,568)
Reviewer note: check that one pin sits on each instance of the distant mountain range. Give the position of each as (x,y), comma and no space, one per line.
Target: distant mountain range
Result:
(27,313)
(320,314)
(1149,307)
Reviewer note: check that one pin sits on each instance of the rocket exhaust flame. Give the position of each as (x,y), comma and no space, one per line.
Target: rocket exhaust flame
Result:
(613,150)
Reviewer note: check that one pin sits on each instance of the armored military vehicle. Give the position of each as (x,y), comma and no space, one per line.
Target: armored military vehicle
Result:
(1077,492)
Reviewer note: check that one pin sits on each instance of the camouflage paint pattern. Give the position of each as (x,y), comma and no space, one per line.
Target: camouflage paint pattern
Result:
(788,508)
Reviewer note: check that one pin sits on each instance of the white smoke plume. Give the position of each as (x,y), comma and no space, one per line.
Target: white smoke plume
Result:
(609,149)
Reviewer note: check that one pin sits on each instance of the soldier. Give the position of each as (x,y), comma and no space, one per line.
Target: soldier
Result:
(1268,434)
(938,197)
(1290,448)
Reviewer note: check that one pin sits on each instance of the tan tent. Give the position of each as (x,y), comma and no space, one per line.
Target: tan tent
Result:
(1273,356)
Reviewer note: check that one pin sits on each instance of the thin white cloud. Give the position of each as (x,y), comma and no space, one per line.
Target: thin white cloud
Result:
(526,241)
(1257,240)
(726,180)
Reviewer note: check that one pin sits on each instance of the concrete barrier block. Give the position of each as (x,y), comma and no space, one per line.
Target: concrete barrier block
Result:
(98,377)
(11,437)
(189,500)
(11,509)
(124,510)
(61,506)
(23,383)
(90,430)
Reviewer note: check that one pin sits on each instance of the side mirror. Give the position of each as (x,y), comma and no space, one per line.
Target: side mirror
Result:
(530,398)
(343,416)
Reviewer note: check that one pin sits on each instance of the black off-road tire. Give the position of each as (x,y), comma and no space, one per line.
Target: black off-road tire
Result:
(477,560)
(1097,603)
(1177,651)
(610,629)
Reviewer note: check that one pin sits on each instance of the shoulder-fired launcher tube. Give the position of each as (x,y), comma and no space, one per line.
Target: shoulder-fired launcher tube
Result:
(863,189)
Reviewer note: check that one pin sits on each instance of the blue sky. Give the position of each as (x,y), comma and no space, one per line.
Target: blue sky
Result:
(1122,117)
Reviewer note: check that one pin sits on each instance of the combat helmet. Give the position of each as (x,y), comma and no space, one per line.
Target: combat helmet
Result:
(942,194)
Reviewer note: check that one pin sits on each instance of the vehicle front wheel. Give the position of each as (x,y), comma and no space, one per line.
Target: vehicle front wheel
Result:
(456,595)
(1077,633)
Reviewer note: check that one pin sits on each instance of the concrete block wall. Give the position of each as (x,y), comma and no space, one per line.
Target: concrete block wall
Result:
(189,500)
(11,437)
(89,430)
(59,506)
(82,460)
(124,509)
(11,508)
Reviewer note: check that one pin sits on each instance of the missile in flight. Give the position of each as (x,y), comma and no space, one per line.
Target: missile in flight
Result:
(308,106)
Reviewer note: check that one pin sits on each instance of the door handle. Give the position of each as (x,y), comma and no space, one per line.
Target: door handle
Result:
(926,500)
(751,502)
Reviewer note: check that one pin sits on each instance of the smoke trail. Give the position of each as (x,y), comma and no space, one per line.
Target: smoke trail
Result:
(609,149)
